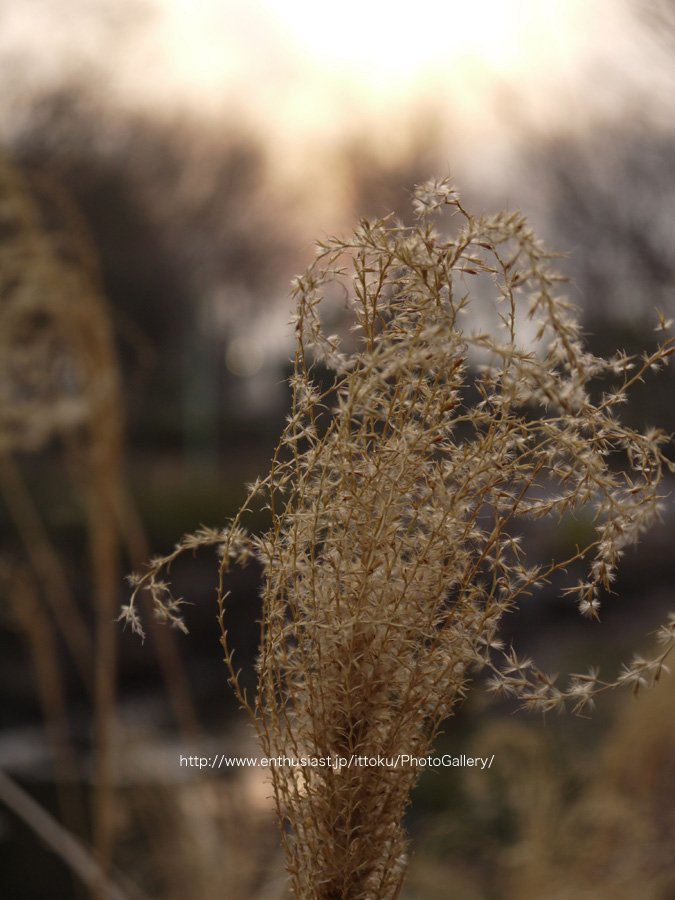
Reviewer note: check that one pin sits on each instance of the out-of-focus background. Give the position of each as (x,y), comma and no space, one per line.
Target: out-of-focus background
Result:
(165,167)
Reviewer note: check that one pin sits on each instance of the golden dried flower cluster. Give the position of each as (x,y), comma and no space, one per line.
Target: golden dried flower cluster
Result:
(396,494)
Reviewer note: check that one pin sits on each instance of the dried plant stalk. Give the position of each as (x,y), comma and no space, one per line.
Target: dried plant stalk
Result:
(60,384)
(60,392)
(395,497)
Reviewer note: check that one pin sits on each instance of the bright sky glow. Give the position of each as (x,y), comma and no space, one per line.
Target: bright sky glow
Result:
(302,69)
(371,49)
(400,40)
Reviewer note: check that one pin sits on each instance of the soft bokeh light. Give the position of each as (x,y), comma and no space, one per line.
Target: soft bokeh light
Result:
(385,44)
(243,357)
(301,68)
(311,67)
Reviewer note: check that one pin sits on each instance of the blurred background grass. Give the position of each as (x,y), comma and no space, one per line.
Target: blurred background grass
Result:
(168,166)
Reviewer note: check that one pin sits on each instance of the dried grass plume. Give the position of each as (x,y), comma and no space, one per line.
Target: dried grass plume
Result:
(395,497)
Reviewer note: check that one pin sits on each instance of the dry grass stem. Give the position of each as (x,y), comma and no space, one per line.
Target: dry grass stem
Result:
(462,403)
(60,395)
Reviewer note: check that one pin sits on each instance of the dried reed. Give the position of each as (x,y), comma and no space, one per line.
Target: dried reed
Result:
(395,497)
(60,394)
